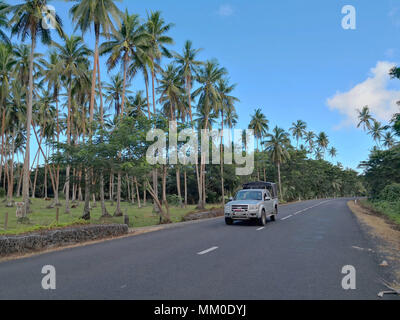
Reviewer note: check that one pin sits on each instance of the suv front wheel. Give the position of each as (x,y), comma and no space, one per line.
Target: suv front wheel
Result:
(263,220)
(228,221)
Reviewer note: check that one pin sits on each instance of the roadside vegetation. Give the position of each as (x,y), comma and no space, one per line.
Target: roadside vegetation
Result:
(90,133)
(382,169)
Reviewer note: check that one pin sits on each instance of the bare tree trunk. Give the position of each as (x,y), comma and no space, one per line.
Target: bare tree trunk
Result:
(185,183)
(35,179)
(104,212)
(178,185)
(25,183)
(279,179)
(111,191)
(137,192)
(11,184)
(45,181)
(118,211)
(164,190)
(86,209)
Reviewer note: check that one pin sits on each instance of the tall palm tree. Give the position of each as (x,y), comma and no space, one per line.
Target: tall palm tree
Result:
(157,29)
(101,14)
(124,46)
(259,124)
(322,141)
(277,145)
(7,63)
(298,130)
(388,140)
(364,118)
(226,102)
(51,75)
(333,152)
(309,139)
(136,105)
(27,20)
(188,67)
(3,23)
(208,76)
(73,55)
(171,92)
(376,132)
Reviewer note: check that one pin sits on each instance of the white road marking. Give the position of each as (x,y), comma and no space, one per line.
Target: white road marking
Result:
(304,210)
(262,228)
(207,251)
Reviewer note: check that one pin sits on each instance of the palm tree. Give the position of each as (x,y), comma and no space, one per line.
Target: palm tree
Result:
(259,124)
(188,67)
(208,76)
(298,130)
(52,77)
(364,118)
(3,23)
(388,140)
(72,56)
(124,46)
(136,104)
(7,63)
(309,139)
(376,132)
(156,29)
(102,14)
(171,92)
(322,141)
(333,152)
(226,102)
(27,20)
(278,145)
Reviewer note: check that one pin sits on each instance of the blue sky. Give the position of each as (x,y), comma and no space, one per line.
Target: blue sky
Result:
(291,58)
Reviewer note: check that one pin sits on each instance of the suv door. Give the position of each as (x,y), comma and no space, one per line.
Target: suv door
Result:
(268,202)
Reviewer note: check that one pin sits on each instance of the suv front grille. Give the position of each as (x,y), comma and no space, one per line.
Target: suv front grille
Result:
(241,207)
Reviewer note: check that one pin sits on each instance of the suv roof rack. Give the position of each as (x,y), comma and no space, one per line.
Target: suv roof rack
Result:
(258,185)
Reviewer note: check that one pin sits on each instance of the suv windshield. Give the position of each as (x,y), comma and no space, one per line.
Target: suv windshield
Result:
(249,195)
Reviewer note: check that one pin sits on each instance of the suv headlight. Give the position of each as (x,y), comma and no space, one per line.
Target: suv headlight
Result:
(253,207)
(228,209)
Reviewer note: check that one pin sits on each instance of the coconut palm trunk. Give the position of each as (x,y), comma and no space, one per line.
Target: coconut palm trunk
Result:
(26,178)
(104,212)
(68,169)
(279,178)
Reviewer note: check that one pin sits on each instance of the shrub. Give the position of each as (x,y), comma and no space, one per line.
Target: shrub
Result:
(391,193)
(2,193)
(173,199)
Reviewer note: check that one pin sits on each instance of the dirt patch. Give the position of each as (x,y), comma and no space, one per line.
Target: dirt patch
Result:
(380,228)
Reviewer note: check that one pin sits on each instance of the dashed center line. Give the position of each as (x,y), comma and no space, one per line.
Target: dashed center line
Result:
(304,210)
(207,251)
(262,228)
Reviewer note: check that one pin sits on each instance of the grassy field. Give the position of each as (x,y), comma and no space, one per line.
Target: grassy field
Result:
(43,218)
(390,209)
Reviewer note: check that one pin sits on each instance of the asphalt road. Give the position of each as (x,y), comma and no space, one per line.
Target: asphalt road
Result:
(300,256)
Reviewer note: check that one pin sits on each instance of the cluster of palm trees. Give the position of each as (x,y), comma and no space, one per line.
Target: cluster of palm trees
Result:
(60,97)
(384,136)
(36,89)
(278,142)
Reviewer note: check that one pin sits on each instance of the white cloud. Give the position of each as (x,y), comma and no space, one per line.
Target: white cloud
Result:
(225,10)
(373,92)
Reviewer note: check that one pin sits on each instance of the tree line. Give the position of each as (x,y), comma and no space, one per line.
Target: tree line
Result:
(91,134)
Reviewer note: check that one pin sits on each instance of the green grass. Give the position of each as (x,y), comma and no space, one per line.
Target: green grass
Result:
(42,218)
(390,209)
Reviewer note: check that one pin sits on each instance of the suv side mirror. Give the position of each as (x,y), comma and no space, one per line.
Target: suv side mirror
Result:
(230,199)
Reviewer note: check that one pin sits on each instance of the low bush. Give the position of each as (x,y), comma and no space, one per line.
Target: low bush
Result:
(391,193)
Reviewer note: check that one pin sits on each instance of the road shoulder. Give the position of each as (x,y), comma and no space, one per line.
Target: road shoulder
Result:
(385,237)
